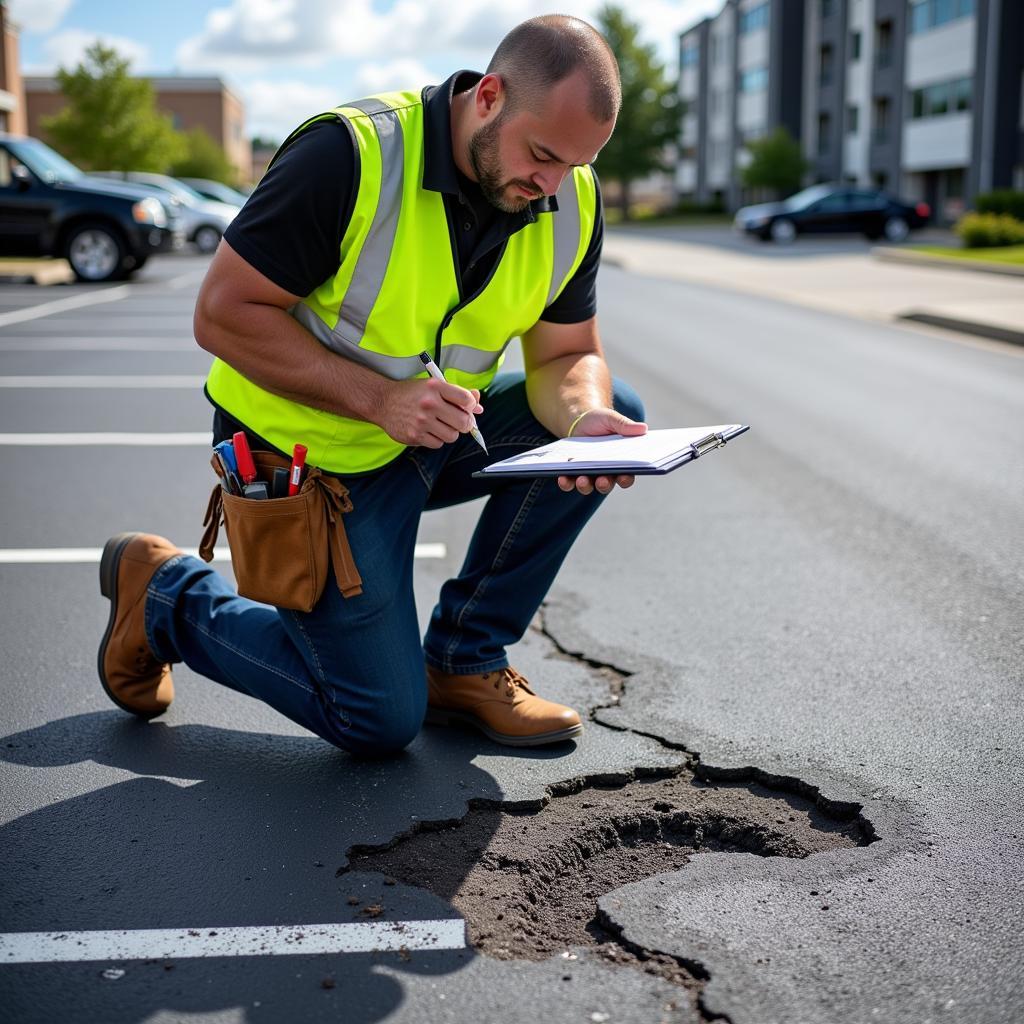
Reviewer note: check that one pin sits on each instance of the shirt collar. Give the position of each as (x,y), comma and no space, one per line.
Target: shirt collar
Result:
(439,171)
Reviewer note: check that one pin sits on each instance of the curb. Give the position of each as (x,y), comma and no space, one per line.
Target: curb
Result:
(923,259)
(41,272)
(981,330)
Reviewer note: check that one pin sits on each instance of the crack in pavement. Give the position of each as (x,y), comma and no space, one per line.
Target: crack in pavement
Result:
(527,875)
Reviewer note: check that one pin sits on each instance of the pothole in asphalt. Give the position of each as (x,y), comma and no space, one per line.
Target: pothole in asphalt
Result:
(527,882)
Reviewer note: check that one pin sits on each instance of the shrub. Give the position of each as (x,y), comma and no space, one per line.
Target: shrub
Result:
(987,230)
(1004,200)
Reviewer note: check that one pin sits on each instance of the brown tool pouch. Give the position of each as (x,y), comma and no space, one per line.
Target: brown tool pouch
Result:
(281,547)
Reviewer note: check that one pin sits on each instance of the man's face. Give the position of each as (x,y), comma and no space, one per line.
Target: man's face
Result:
(525,155)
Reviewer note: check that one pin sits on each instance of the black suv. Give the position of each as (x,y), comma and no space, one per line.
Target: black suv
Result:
(48,207)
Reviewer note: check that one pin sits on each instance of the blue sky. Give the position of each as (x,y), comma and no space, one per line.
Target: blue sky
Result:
(291,58)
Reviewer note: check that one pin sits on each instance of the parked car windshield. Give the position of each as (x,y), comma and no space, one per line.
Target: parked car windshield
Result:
(187,195)
(43,162)
(215,190)
(803,199)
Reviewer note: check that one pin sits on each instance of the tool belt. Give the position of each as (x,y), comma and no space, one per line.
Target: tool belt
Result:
(280,547)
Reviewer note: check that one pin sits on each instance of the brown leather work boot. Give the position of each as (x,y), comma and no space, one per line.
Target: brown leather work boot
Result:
(501,705)
(129,671)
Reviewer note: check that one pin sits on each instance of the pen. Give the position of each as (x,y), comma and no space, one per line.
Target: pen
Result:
(295,473)
(435,372)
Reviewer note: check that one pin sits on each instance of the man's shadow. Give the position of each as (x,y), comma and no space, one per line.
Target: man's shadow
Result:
(227,828)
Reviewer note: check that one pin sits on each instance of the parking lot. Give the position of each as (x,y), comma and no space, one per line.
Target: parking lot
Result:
(798,661)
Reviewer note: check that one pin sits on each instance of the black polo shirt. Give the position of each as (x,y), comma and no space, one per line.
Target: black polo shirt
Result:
(291,227)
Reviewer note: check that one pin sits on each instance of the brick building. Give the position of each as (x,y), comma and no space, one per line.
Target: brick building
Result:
(12,92)
(205,103)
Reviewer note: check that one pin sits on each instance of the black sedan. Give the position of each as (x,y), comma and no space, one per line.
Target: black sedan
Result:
(831,209)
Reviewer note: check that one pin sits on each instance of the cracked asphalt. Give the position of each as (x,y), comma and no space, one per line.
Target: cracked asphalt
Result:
(827,611)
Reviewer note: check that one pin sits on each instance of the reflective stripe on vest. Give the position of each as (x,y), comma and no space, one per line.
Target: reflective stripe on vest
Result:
(395,293)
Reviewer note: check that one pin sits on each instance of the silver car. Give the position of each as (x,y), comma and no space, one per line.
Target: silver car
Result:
(202,220)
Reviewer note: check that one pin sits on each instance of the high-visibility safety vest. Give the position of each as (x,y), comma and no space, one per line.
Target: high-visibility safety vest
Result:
(396,291)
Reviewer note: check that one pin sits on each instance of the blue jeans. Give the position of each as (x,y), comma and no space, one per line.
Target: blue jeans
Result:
(352,671)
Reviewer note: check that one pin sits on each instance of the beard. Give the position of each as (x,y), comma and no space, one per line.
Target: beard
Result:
(486,163)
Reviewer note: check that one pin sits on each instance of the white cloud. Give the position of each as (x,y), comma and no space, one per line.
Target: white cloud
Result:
(38,15)
(274,108)
(66,49)
(404,73)
(244,35)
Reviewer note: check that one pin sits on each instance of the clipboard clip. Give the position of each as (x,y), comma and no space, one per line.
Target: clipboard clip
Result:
(707,444)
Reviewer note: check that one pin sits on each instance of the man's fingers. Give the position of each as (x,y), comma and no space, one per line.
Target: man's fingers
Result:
(462,398)
(587,485)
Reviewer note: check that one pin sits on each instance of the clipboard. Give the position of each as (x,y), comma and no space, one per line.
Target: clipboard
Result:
(709,442)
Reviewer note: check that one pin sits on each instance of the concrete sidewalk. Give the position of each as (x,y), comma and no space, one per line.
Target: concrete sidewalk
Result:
(854,284)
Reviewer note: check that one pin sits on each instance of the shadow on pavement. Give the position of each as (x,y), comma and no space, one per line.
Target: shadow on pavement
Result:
(224,828)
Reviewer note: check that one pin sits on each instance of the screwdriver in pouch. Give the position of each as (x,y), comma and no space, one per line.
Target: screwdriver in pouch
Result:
(252,488)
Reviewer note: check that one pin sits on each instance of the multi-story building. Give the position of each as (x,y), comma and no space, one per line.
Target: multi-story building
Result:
(920,97)
(738,82)
(12,92)
(205,103)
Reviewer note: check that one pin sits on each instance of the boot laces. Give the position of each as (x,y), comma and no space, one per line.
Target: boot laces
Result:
(514,681)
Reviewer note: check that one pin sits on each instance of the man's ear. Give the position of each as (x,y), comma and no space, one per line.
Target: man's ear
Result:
(489,97)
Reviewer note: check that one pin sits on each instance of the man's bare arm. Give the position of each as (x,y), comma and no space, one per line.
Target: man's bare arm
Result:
(568,385)
(241,317)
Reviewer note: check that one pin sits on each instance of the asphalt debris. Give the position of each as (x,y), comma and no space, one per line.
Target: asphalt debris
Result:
(527,881)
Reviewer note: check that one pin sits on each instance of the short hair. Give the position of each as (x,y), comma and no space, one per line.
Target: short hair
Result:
(541,52)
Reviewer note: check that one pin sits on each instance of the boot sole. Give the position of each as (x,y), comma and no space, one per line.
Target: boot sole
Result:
(109,562)
(436,716)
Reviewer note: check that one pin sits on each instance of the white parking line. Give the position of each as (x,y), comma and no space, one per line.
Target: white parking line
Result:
(83,556)
(17,316)
(20,343)
(165,440)
(275,940)
(91,381)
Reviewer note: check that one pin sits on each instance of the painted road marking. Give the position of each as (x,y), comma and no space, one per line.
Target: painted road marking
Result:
(106,344)
(18,316)
(83,556)
(91,381)
(167,440)
(275,940)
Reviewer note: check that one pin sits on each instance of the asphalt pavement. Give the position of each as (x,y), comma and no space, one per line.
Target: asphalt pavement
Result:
(824,615)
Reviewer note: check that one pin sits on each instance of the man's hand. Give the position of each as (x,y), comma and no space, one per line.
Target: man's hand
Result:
(598,423)
(428,412)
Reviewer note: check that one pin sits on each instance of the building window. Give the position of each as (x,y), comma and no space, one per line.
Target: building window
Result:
(690,55)
(882,114)
(753,80)
(941,98)
(854,46)
(825,65)
(824,133)
(929,14)
(827,9)
(852,119)
(883,43)
(754,18)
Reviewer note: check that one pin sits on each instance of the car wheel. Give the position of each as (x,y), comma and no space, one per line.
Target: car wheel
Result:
(95,253)
(896,229)
(783,231)
(207,238)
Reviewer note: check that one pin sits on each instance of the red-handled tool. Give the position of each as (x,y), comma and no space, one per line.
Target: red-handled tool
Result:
(295,473)
(246,466)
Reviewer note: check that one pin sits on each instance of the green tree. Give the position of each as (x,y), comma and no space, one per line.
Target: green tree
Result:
(776,163)
(110,121)
(203,158)
(649,121)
